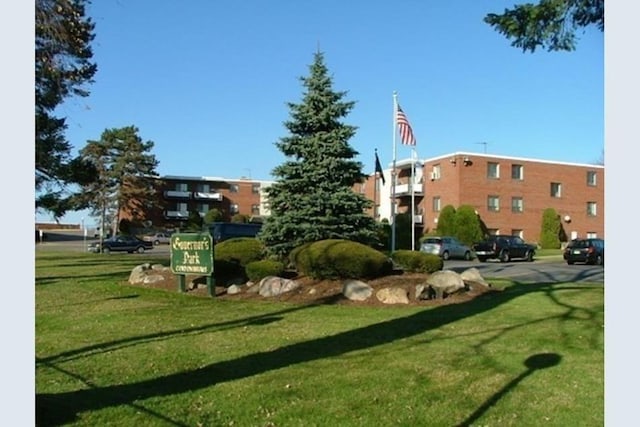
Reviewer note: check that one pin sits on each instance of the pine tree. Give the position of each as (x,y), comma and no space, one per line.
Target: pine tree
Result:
(63,68)
(313,198)
(125,175)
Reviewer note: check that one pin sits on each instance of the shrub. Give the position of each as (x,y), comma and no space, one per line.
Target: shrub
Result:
(239,250)
(340,259)
(446,221)
(551,226)
(417,262)
(257,270)
(467,225)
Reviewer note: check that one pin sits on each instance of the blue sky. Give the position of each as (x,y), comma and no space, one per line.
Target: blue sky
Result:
(209,83)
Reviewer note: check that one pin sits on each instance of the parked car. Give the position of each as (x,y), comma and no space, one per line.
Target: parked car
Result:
(221,231)
(128,244)
(505,248)
(158,238)
(446,247)
(589,251)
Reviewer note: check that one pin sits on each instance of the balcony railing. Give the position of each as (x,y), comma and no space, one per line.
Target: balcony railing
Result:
(207,196)
(176,214)
(178,194)
(417,219)
(405,189)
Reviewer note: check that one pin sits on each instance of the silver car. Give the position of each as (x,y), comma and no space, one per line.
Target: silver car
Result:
(446,247)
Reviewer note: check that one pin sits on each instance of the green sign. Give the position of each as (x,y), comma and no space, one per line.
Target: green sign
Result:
(191,253)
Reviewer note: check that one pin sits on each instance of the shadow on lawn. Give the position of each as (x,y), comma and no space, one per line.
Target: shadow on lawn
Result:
(60,408)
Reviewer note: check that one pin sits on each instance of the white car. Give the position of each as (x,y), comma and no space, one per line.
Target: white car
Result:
(158,238)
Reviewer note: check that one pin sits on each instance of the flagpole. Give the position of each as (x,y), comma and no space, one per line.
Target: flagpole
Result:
(393,176)
(413,212)
(375,187)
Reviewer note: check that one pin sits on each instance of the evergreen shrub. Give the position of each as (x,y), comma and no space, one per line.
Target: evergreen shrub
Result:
(257,270)
(417,262)
(340,259)
(239,250)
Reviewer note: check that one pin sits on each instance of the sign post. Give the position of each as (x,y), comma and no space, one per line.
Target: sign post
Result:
(192,253)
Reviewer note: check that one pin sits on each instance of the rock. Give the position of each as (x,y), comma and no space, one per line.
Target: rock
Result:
(356,290)
(392,296)
(445,283)
(234,289)
(472,276)
(139,272)
(272,286)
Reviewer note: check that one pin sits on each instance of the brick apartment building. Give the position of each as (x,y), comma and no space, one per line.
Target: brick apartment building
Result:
(180,195)
(508,193)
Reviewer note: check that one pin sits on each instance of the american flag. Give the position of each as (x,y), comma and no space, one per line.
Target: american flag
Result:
(406,134)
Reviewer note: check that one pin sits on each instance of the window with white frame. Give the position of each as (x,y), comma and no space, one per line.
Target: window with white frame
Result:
(493,231)
(517,232)
(517,172)
(592,235)
(203,188)
(493,203)
(255,188)
(517,204)
(436,172)
(182,186)
(591,208)
(233,208)
(255,209)
(436,204)
(591,178)
(556,189)
(493,170)
(233,188)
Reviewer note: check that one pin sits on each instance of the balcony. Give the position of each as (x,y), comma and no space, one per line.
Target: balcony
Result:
(177,194)
(417,219)
(207,196)
(176,214)
(405,189)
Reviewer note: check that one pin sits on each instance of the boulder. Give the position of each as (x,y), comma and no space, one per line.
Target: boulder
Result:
(355,290)
(272,286)
(445,283)
(392,296)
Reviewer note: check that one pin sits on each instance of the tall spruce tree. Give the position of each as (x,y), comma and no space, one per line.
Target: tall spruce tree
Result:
(313,198)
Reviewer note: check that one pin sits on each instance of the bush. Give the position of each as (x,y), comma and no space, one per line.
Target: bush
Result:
(550,232)
(257,270)
(239,250)
(417,262)
(340,259)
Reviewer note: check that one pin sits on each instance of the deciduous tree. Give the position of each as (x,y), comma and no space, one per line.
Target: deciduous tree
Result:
(313,198)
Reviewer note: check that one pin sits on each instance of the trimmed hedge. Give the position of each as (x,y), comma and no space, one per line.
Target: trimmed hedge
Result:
(340,259)
(417,262)
(257,270)
(239,250)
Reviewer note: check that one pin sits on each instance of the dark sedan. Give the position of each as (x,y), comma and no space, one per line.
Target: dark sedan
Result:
(588,251)
(128,244)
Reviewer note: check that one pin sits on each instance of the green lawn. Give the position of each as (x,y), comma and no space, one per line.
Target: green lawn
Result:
(112,354)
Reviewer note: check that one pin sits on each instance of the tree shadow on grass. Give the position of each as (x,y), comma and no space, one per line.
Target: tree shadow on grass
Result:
(60,408)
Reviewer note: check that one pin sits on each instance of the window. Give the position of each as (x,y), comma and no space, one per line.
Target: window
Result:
(493,203)
(233,188)
(202,188)
(517,172)
(181,207)
(436,204)
(203,208)
(233,208)
(517,204)
(556,189)
(591,178)
(493,231)
(255,209)
(517,232)
(255,188)
(591,208)
(435,172)
(493,170)
(181,186)
(592,235)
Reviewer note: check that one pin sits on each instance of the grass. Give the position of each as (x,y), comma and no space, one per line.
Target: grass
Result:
(112,354)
